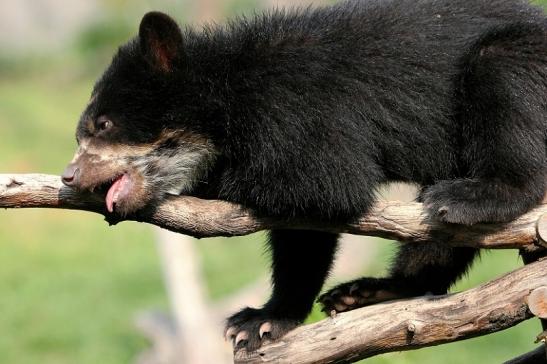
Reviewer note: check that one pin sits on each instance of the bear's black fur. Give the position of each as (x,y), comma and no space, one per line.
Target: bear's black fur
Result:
(303,114)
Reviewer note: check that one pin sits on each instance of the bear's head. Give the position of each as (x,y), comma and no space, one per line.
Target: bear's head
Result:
(138,138)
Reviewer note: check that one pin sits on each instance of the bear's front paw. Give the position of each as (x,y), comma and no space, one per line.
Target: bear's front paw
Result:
(250,328)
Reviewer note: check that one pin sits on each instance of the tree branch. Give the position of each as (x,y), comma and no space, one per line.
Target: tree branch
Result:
(408,324)
(206,218)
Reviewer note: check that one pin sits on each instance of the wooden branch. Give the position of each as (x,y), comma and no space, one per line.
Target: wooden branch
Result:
(205,218)
(408,324)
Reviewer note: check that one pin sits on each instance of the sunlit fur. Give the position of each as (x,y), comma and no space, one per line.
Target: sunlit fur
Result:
(307,112)
(171,165)
(175,167)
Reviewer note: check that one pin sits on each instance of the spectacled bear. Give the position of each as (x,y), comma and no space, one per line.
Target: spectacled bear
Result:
(304,113)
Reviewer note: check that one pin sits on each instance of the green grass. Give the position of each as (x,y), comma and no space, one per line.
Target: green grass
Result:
(69,287)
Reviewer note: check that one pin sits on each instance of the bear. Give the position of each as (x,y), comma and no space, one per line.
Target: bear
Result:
(302,114)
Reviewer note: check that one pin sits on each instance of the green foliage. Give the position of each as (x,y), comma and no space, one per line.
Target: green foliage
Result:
(238,7)
(96,44)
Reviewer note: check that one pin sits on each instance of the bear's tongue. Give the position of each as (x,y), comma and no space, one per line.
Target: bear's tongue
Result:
(113,193)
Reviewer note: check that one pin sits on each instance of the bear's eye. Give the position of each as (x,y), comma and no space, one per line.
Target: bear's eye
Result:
(103,123)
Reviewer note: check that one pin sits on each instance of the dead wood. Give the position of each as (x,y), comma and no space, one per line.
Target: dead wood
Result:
(408,324)
(407,222)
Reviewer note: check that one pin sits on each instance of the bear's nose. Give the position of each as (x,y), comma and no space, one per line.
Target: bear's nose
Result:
(70,175)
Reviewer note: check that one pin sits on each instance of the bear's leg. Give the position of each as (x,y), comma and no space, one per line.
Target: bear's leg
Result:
(300,263)
(418,269)
(503,119)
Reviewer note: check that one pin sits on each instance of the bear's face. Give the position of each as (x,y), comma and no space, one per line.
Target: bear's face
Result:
(134,143)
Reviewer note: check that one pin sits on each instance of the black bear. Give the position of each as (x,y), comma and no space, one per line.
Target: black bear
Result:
(304,113)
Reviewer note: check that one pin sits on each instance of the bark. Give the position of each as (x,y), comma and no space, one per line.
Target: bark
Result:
(408,324)
(407,222)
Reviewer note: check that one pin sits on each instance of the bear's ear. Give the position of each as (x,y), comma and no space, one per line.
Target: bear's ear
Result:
(160,40)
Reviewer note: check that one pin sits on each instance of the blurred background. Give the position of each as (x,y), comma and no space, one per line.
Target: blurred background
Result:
(73,290)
